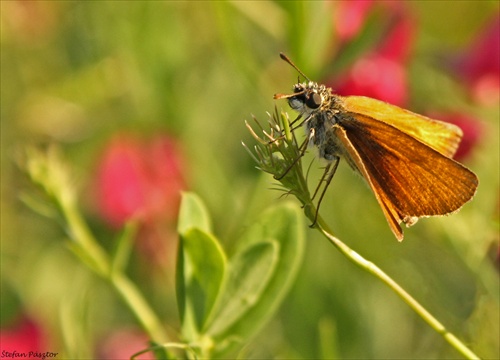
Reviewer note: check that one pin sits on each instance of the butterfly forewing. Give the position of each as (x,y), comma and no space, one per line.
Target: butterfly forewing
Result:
(441,136)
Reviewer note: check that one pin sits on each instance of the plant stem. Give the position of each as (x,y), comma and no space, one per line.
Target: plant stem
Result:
(292,178)
(98,260)
(140,307)
(414,304)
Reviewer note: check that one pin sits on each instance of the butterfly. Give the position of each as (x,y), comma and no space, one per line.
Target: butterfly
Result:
(405,158)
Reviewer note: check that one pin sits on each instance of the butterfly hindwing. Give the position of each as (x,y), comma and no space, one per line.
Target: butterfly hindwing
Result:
(409,178)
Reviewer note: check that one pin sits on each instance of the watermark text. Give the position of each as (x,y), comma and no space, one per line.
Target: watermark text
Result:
(28,355)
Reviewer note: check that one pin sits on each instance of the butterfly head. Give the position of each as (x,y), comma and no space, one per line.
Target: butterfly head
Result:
(307,97)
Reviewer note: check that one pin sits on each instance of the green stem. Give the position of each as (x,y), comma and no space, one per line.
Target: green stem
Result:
(414,304)
(294,180)
(80,233)
(100,263)
(140,307)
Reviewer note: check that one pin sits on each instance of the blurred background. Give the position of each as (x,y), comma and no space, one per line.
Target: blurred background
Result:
(146,99)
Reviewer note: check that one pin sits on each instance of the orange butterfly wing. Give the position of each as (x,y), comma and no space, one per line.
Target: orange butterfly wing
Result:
(441,136)
(409,178)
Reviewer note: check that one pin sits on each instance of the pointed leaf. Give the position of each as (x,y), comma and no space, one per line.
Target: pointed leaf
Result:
(249,274)
(124,247)
(200,274)
(193,213)
(284,224)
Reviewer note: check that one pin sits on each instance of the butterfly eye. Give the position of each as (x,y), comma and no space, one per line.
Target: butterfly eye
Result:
(313,101)
(297,88)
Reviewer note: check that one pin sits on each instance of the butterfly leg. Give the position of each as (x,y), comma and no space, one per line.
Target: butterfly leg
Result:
(330,170)
(323,177)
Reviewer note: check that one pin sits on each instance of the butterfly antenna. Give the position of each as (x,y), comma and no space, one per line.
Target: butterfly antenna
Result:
(287,59)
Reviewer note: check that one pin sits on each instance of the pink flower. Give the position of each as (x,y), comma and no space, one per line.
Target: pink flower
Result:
(471,127)
(139,178)
(377,77)
(479,64)
(30,22)
(21,340)
(350,17)
(380,74)
(123,344)
(399,39)
(142,179)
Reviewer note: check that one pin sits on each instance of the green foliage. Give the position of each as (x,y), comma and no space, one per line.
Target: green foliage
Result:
(201,270)
(75,74)
(222,304)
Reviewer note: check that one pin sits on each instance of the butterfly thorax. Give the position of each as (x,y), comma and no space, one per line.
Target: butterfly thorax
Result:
(320,109)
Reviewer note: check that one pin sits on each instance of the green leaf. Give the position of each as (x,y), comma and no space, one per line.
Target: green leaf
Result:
(193,214)
(284,225)
(249,274)
(124,247)
(201,267)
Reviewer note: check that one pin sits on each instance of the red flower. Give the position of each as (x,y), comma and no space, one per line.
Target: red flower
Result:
(380,74)
(479,64)
(139,179)
(30,22)
(377,77)
(350,17)
(123,344)
(22,341)
(398,41)
(142,179)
